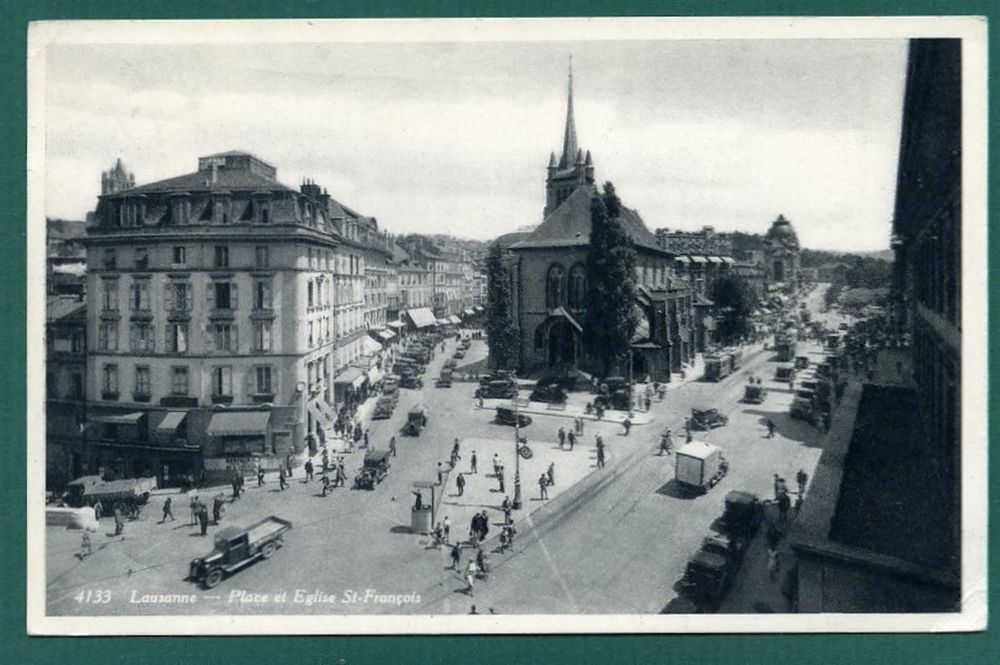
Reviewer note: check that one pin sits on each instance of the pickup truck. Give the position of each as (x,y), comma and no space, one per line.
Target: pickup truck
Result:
(237,547)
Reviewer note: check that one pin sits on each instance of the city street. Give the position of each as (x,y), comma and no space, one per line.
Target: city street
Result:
(607,540)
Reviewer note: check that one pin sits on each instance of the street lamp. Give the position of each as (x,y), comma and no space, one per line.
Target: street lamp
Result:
(516,503)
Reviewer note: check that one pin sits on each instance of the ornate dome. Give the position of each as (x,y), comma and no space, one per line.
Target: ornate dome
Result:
(781,232)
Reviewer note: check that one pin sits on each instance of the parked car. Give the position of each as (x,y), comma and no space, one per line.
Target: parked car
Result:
(551,393)
(742,514)
(237,547)
(383,408)
(707,577)
(508,416)
(411,381)
(502,389)
(459,354)
(801,362)
(784,373)
(706,419)
(754,394)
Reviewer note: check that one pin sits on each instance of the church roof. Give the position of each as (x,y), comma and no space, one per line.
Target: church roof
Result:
(569,225)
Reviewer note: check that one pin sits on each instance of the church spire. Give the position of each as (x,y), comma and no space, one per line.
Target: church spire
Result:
(569,138)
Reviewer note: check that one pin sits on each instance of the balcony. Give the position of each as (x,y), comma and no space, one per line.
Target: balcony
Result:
(109,395)
(141,397)
(179,401)
(222,399)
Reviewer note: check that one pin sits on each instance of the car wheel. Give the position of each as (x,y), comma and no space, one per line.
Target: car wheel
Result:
(267,551)
(213,578)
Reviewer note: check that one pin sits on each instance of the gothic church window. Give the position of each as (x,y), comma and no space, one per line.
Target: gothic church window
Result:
(554,286)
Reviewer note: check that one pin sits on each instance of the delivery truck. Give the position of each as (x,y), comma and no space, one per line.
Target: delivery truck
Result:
(700,466)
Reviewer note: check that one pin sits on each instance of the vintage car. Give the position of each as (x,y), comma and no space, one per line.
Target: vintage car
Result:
(754,394)
(732,547)
(550,392)
(130,493)
(411,381)
(742,514)
(706,419)
(498,375)
(459,354)
(503,389)
(508,416)
(801,362)
(444,381)
(383,408)
(373,471)
(707,577)
(237,547)
(784,373)
(804,406)
(416,420)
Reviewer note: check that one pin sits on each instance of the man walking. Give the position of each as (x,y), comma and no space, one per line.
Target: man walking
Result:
(484,525)
(496,464)
(551,473)
(282,483)
(309,470)
(236,486)
(260,476)
(571,437)
(194,510)
(505,506)
(440,474)
(119,521)
(784,503)
(203,518)
(460,484)
(600,453)
(770,428)
(543,487)
(456,556)
(326,456)
(217,509)
(392,446)
(447,529)
(473,464)
(167,510)
(502,488)
(326,483)
(802,478)
(562,437)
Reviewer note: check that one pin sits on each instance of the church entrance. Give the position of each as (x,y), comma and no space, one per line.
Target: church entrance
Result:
(562,344)
(779,271)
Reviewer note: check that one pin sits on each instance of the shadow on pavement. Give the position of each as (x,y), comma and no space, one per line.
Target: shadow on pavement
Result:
(400,528)
(674,489)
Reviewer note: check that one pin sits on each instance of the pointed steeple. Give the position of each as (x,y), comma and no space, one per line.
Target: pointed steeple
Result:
(569,138)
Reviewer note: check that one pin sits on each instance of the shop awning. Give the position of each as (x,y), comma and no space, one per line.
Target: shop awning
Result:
(121,418)
(683,259)
(728,259)
(398,325)
(374,374)
(468,311)
(443,322)
(478,309)
(699,259)
(172,421)
(714,259)
(385,335)
(454,320)
(239,423)
(352,376)
(422,317)
(369,346)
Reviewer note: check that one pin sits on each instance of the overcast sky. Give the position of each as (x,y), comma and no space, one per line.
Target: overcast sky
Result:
(455,137)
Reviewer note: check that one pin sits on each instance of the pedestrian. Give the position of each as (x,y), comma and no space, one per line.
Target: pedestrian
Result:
(440,473)
(203,518)
(438,535)
(288,463)
(282,483)
(802,478)
(326,455)
(511,532)
(447,529)
(474,528)
(600,457)
(309,470)
(784,503)
(392,446)
(326,483)
(770,428)
(582,423)
(455,450)
(496,464)
(456,556)
(167,511)
(217,509)
(98,509)
(505,506)
(235,482)
(119,521)
(194,510)
(260,476)
(484,525)
(473,464)
(571,438)
(551,473)
(543,487)
(562,437)
(687,428)
(502,488)
(460,484)
(86,549)
(341,473)
(366,438)
(470,575)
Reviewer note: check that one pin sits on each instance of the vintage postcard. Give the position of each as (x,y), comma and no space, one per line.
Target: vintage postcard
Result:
(507,326)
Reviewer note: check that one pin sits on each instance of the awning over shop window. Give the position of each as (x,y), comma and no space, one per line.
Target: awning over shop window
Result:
(369,346)
(683,259)
(374,375)
(469,311)
(699,259)
(239,423)
(172,421)
(443,322)
(422,317)
(121,419)
(714,259)
(478,309)
(728,259)
(352,376)
(385,335)
(398,325)
(454,320)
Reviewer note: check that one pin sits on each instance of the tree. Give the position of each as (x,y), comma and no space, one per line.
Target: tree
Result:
(501,327)
(611,319)
(734,303)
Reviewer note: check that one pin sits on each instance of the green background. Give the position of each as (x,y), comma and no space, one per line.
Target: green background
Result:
(968,649)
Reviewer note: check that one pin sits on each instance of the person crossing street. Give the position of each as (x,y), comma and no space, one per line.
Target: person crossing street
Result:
(543,485)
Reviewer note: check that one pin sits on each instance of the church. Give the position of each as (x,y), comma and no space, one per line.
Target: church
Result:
(549,279)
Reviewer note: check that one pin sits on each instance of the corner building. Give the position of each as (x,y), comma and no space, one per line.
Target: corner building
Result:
(211,332)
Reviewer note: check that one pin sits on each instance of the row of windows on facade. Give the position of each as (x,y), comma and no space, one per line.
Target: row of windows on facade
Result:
(571,291)
(264,379)
(318,259)
(131,214)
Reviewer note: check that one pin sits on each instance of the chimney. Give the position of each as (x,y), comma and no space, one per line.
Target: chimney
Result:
(215,172)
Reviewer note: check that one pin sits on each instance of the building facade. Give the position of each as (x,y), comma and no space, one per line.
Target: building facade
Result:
(66,453)
(221,299)
(781,255)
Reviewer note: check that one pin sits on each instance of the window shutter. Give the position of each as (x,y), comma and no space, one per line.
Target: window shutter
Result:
(209,337)
(234,344)
(168,296)
(233,295)
(188,296)
(210,295)
(250,382)
(133,338)
(169,337)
